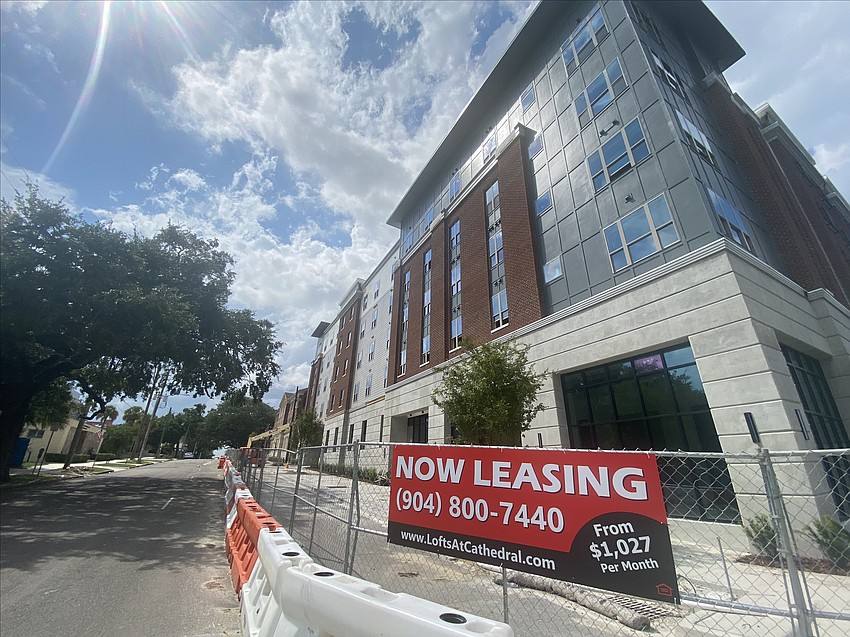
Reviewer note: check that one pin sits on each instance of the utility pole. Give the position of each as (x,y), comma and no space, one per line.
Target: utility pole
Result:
(151,419)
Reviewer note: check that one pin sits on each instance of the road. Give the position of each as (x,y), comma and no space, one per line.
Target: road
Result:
(135,553)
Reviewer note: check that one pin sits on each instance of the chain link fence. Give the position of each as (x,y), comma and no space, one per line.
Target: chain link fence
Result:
(760,544)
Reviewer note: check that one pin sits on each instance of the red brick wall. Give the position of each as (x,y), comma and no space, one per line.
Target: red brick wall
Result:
(313,385)
(831,228)
(345,353)
(521,280)
(521,276)
(786,220)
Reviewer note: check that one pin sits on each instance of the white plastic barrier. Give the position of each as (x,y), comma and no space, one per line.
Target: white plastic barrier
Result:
(289,595)
(230,503)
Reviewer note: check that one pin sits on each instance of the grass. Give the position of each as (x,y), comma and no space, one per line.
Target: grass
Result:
(21,479)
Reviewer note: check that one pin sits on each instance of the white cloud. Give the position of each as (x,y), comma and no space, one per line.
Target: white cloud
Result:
(830,159)
(15,178)
(341,130)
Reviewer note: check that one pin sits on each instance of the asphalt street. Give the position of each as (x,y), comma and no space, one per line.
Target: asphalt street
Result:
(132,553)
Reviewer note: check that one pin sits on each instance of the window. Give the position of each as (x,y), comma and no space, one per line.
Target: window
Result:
(535,146)
(454,234)
(640,234)
(386,375)
(626,149)
(388,338)
(368,389)
(365,302)
(390,311)
(402,368)
(374,318)
(731,221)
(406,285)
(351,433)
(359,359)
(824,421)
(648,25)
(356,393)
(488,150)
(35,433)
(377,288)
(336,371)
(456,333)
(372,349)
(327,436)
(543,203)
(363,431)
(454,186)
(426,349)
(429,217)
(584,41)
(671,77)
(655,401)
(496,251)
(455,278)
(344,367)
(336,436)
(426,261)
(600,93)
(552,270)
(697,139)
(348,340)
(362,329)
(491,198)
(527,99)
(499,303)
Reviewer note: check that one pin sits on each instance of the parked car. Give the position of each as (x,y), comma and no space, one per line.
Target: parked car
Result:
(188,454)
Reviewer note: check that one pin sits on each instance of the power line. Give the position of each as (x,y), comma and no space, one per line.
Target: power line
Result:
(15,157)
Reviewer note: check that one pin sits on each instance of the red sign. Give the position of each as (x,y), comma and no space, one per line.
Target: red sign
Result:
(595,518)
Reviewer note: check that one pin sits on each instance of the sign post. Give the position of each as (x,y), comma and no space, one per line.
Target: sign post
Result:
(590,517)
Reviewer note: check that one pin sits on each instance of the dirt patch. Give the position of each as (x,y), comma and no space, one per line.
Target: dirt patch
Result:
(810,564)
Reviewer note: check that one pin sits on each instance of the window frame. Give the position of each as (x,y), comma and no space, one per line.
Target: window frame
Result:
(598,155)
(654,232)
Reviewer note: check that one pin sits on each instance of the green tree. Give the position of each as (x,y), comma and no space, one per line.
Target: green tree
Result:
(233,421)
(490,394)
(52,405)
(118,439)
(83,302)
(307,430)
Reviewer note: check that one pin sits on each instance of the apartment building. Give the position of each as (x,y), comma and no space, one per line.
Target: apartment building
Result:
(672,258)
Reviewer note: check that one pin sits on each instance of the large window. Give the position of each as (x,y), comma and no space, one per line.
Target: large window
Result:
(617,156)
(670,77)
(697,139)
(600,93)
(655,401)
(417,429)
(426,309)
(499,303)
(824,422)
(527,99)
(584,40)
(640,233)
(731,221)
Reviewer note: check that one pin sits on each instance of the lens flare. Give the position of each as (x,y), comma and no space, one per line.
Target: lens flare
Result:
(88,87)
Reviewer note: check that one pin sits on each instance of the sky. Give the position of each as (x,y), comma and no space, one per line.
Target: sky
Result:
(289,131)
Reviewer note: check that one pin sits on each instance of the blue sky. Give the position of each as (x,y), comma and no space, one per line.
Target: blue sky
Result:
(289,131)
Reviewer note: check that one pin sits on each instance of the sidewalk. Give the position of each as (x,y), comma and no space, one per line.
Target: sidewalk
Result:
(56,470)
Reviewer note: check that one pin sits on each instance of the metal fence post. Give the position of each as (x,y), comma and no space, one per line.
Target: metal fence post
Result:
(263,458)
(274,488)
(803,615)
(316,502)
(297,484)
(348,567)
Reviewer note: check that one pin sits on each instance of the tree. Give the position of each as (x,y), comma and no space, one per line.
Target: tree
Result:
(490,394)
(307,430)
(119,438)
(233,421)
(83,302)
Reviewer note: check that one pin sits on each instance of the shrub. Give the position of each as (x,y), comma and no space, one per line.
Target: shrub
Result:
(60,457)
(105,457)
(832,539)
(763,536)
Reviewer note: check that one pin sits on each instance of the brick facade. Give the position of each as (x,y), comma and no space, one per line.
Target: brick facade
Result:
(521,278)
(342,368)
(804,256)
